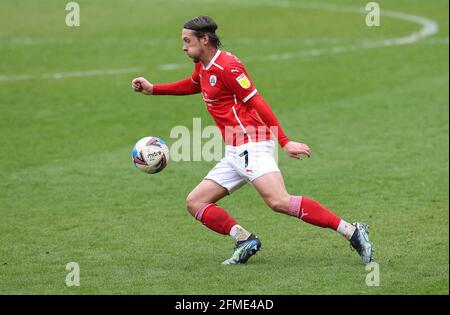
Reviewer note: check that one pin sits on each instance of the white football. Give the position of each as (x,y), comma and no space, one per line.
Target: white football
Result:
(150,155)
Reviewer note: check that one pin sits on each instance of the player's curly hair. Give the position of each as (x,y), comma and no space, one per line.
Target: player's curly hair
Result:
(204,25)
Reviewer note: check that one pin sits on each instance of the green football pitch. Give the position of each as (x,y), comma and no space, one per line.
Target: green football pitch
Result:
(371,102)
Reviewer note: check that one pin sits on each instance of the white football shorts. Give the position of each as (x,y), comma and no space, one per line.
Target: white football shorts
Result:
(244,164)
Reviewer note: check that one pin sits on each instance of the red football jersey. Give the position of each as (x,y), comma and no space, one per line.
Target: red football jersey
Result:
(226,87)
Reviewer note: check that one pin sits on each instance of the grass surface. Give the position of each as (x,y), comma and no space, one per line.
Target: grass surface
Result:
(376,119)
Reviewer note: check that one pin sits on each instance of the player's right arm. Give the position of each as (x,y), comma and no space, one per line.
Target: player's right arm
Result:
(183,87)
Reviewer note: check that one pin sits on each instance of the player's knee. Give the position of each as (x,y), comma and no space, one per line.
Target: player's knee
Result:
(191,204)
(275,204)
(278,204)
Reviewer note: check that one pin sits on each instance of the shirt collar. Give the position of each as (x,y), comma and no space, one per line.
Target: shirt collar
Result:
(213,59)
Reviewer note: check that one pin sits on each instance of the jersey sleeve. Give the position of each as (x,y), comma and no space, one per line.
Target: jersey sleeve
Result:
(182,87)
(186,86)
(268,118)
(238,81)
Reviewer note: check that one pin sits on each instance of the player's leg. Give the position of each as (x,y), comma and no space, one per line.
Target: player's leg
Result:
(201,204)
(206,192)
(272,189)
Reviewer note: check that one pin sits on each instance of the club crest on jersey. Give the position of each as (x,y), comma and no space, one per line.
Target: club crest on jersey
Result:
(212,80)
(243,81)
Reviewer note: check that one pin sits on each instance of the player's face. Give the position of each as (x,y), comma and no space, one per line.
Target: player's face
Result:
(192,46)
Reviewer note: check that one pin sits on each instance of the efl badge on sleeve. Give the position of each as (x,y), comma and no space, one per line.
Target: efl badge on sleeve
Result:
(243,81)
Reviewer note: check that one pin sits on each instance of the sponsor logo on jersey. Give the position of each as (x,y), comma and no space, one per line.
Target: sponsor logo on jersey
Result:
(243,81)
(212,80)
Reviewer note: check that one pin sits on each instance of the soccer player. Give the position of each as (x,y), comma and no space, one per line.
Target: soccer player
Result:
(248,125)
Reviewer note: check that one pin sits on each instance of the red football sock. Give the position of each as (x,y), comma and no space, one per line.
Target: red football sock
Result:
(313,212)
(215,218)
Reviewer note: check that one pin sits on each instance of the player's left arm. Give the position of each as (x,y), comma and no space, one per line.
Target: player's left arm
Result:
(237,79)
(292,148)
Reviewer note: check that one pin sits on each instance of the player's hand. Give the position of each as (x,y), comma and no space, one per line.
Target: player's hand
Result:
(297,149)
(142,85)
